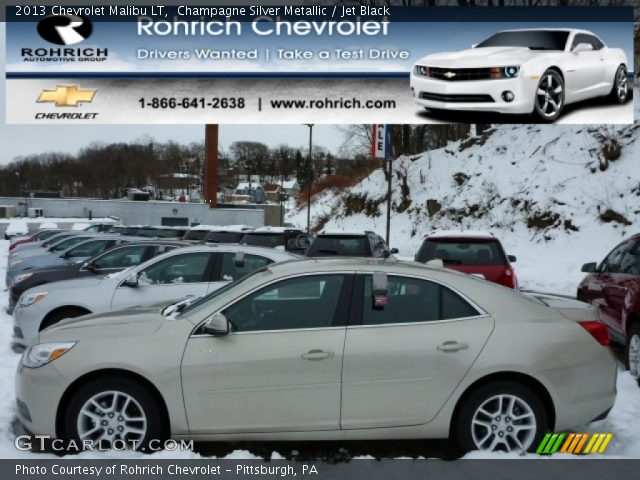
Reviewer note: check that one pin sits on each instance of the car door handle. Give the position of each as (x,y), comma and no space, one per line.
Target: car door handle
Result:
(452,346)
(315,355)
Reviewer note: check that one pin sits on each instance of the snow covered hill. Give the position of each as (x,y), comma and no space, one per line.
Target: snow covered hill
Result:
(557,197)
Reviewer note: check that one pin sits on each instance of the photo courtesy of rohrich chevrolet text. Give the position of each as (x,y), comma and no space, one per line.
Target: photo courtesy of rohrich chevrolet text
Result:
(319,239)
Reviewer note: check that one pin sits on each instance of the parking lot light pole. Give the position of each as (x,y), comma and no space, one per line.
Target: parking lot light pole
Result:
(309,177)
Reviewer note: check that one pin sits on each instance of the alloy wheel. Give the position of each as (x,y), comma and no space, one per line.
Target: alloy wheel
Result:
(621,84)
(549,96)
(503,423)
(112,416)
(634,356)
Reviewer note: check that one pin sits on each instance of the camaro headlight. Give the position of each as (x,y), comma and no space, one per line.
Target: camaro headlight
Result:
(511,71)
(20,278)
(421,70)
(31,298)
(43,353)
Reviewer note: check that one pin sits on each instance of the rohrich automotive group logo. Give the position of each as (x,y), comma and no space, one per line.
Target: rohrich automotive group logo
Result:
(575,443)
(65,29)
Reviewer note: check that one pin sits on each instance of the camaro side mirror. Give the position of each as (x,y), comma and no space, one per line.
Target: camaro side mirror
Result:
(590,267)
(131,281)
(512,258)
(582,47)
(238,259)
(216,325)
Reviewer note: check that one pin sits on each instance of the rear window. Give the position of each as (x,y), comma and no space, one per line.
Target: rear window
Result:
(224,237)
(340,245)
(196,235)
(462,252)
(269,240)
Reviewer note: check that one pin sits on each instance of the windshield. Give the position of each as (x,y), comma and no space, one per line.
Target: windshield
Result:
(225,237)
(64,244)
(352,246)
(460,252)
(46,234)
(532,39)
(230,287)
(55,239)
(269,240)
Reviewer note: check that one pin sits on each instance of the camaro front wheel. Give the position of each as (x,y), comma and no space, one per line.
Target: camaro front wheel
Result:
(501,416)
(549,97)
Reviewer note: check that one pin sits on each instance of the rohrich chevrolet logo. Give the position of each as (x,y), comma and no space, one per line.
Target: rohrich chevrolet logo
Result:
(66,96)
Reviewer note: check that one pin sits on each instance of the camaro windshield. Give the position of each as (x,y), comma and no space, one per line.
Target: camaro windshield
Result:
(532,39)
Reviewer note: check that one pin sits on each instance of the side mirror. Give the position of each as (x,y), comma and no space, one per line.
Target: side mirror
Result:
(216,325)
(512,258)
(239,259)
(582,47)
(394,251)
(89,266)
(590,267)
(380,294)
(131,281)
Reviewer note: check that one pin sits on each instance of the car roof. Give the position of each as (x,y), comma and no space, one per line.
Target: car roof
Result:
(275,230)
(234,247)
(231,228)
(345,233)
(576,30)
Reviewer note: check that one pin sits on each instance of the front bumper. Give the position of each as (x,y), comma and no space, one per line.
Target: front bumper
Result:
(475,95)
(26,323)
(38,394)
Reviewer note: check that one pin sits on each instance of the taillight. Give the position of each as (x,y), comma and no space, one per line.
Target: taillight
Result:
(598,330)
(508,278)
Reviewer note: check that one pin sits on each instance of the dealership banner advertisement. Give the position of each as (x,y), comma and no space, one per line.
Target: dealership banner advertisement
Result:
(193,64)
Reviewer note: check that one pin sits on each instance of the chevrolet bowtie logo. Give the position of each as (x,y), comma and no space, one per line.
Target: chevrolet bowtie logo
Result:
(66,96)
(450,74)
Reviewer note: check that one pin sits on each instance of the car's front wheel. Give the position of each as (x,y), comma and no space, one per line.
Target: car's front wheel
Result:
(549,96)
(633,351)
(501,416)
(619,90)
(113,413)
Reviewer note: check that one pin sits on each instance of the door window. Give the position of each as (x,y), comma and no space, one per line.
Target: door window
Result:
(412,300)
(296,303)
(630,260)
(121,258)
(177,269)
(229,271)
(611,264)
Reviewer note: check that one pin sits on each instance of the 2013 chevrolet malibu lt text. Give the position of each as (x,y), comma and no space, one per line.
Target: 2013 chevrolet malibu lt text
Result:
(328,349)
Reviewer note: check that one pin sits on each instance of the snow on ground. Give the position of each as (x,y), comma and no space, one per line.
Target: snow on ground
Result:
(622,421)
(505,182)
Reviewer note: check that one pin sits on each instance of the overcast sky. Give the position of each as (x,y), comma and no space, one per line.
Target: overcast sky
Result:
(17,140)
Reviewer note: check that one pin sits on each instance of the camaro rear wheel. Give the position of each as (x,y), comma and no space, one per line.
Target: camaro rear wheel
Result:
(633,351)
(501,416)
(549,96)
(112,412)
(619,90)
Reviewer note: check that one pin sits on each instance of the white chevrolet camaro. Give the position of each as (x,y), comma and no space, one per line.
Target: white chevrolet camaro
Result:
(535,71)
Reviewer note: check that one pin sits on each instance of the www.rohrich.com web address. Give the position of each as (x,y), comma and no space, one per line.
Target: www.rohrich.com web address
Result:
(332,104)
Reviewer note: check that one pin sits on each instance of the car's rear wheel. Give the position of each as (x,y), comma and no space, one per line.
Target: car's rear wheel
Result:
(633,351)
(549,96)
(620,89)
(501,416)
(113,412)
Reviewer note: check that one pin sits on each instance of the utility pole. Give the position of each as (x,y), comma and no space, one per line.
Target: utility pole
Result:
(210,189)
(309,177)
(389,180)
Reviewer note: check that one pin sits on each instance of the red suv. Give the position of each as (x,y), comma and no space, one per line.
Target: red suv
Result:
(614,288)
(477,253)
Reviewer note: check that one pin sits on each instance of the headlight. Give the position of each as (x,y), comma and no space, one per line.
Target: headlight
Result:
(511,71)
(44,353)
(31,298)
(421,70)
(20,278)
